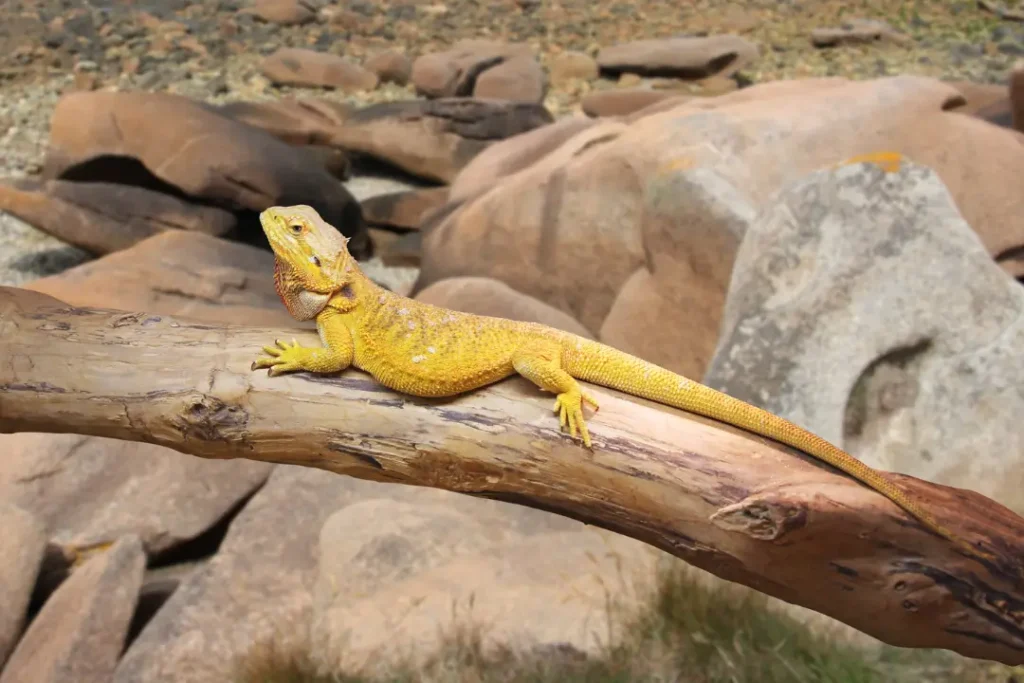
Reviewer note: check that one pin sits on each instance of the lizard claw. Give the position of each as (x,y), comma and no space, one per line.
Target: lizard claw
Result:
(286,358)
(569,406)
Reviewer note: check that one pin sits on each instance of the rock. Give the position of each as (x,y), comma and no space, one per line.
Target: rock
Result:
(303,121)
(435,138)
(79,633)
(512,155)
(283,12)
(171,143)
(391,66)
(334,160)
(105,217)
(257,590)
(555,589)
(21,554)
(978,96)
(519,79)
(184,274)
(572,228)
(1017,96)
(858,31)
(453,73)
(403,209)
(485,296)
(570,66)
(402,250)
(855,311)
(298,66)
(27,253)
(92,490)
(690,58)
(627,101)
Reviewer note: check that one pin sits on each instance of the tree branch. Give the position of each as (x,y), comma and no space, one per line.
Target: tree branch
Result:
(737,505)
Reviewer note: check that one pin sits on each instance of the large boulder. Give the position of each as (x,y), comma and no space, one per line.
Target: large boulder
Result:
(180,146)
(673,189)
(864,308)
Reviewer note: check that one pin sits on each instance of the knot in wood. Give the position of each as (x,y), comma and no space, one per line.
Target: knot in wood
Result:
(760,518)
(206,418)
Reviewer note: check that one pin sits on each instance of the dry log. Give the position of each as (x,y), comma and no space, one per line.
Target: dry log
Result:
(742,507)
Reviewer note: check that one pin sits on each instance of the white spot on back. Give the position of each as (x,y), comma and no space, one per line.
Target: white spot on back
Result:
(417,359)
(412,325)
(403,311)
(431,349)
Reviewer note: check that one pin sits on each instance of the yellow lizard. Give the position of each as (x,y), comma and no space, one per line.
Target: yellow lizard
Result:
(424,350)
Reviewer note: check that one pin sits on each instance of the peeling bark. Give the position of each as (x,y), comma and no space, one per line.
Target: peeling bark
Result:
(742,507)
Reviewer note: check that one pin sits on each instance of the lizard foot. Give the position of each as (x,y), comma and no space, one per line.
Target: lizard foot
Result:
(287,358)
(569,406)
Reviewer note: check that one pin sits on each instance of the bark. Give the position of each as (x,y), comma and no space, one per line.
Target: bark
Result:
(742,507)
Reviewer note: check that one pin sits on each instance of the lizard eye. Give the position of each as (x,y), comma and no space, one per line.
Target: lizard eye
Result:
(296,228)
(315,261)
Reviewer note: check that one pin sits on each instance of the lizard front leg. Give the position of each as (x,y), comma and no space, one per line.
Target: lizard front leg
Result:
(541,363)
(334,356)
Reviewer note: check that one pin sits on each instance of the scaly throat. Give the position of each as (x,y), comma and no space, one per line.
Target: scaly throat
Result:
(300,302)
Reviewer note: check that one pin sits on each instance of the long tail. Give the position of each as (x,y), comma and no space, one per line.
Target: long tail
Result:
(600,364)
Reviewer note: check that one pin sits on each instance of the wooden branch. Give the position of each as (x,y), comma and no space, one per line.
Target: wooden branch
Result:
(739,506)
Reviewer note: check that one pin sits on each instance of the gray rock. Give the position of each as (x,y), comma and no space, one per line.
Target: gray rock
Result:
(21,552)
(80,632)
(27,253)
(257,590)
(90,490)
(864,308)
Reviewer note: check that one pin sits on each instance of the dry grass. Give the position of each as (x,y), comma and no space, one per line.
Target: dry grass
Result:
(685,633)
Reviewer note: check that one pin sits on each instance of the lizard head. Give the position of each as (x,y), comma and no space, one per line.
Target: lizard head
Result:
(312,262)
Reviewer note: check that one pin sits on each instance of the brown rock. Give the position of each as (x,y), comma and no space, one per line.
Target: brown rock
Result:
(284,12)
(435,138)
(104,217)
(513,155)
(404,252)
(519,79)
(256,591)
(178,273)
(68,482)
(858,31)
(690,58)
(620,102)
(453,73)
(403,209)
(605,192)
(1017,97)
(570,66)
(79,634)
(335,160)
(298,66)
(105,136)
(486,296)
(391,66)
(21,553)
(551,590)
(304,121)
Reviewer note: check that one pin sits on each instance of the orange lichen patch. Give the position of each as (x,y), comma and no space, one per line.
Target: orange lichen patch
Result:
(887,161)
(677,164)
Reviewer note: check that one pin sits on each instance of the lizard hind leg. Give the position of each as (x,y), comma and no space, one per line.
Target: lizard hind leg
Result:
(541,363)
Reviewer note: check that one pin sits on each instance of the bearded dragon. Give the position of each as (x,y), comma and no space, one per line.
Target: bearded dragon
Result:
(424,350)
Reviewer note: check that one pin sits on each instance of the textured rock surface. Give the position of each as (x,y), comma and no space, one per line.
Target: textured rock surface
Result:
(21,551)
(258,588)
(864,308)
(79,634)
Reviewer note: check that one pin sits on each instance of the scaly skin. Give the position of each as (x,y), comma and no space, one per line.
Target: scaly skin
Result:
(423,350)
